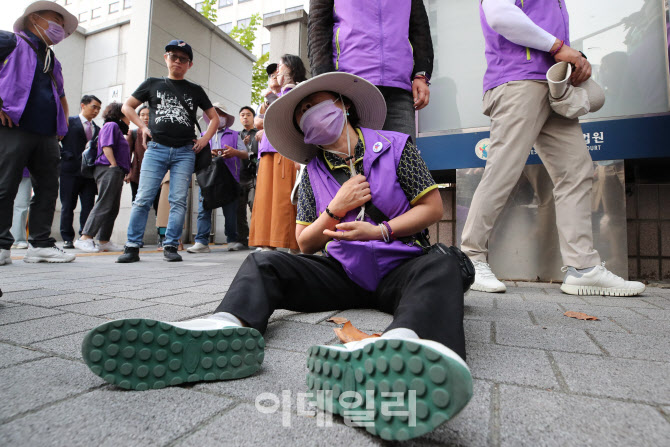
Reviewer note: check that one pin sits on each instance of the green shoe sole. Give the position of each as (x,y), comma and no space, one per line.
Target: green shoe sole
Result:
(140,354)
(442,386)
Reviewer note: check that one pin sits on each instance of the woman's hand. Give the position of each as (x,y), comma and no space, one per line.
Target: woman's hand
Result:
(353,193)
(6,120)
(355,231)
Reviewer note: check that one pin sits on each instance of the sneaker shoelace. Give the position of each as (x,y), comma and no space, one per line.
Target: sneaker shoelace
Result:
(483,269)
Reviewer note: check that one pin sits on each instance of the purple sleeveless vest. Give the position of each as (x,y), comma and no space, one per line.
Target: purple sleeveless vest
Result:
(230,138)
(264,147)
(16,80)
(371,40)
(367,262)
(508,61)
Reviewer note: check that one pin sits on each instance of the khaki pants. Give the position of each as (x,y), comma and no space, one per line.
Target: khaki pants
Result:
(520,119)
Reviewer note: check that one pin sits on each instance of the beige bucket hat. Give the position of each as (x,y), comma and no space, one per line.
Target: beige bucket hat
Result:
(279,123)
(569,101)
(70,20)
(230,119)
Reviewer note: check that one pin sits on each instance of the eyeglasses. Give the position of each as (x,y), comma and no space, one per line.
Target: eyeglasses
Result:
(182,59)
(273,75)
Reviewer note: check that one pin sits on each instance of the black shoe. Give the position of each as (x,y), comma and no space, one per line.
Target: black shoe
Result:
(68,244)
(130,254)
(170,254)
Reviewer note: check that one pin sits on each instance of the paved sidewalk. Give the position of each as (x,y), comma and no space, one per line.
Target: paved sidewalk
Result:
(540,378)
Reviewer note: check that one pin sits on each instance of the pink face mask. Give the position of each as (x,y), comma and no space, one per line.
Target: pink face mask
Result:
(322,124)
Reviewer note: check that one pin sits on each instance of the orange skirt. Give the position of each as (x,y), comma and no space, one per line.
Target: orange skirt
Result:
(273,215)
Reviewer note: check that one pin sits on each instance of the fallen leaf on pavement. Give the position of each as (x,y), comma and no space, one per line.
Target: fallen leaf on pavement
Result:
(349,333)
(337,320)
(580,316)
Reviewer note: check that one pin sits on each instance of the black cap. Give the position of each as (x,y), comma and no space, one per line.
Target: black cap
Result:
(180,45)
(271,68)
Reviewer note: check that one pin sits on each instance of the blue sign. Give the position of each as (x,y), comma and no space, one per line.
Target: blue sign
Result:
(646,137)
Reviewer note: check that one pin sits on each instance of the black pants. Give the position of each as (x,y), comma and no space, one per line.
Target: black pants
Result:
(73,188)
(110,185)
(246,199)
(133,190)
(41,155)
(401,114)
(425,294)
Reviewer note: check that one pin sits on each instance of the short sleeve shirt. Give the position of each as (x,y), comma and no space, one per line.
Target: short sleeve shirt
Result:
(111,136)
(170,124)
(412,172)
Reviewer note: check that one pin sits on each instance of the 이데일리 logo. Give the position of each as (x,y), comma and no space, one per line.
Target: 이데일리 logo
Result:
(482,148)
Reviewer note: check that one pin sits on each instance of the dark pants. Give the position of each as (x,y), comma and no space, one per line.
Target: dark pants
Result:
(73,188)
(41,155)
(400,114)
(133,190)
(102,217)
(425,294)
(246,199)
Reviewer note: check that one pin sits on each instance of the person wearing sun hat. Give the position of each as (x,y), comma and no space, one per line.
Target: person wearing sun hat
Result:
(33,118)
(226,143)
(330,122)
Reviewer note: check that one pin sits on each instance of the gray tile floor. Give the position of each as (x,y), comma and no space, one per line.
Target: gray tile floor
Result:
(540,378)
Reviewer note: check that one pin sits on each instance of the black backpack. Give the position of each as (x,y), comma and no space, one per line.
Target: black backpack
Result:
(89,157)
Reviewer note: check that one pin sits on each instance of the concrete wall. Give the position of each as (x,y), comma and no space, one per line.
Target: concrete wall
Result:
(289,36)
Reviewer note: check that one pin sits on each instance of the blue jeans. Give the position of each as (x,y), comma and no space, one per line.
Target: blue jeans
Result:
(158,159)
(205,222)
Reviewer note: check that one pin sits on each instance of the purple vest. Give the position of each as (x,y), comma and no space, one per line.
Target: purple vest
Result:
(508,61)
(16,80)
(264,147)
(229,137)
(371,40)
(367,262)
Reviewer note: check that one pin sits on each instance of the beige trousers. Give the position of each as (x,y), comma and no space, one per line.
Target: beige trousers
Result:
(521,118)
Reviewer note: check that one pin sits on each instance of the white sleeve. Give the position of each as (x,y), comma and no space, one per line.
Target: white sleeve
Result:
(240,144)
(505,18)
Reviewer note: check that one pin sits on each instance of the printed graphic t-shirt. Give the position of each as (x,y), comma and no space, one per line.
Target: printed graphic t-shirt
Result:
(169,123)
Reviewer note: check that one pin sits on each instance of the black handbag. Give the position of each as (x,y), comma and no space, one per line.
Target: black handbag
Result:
(217,185)
(203,159)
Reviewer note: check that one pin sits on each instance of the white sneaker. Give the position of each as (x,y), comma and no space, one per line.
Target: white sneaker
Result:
(47,254)
(485,280)
(235,246)
(5,256)
(431,376)
(87,245)
(198,248)
(21,245)
(598,281)
(110,246)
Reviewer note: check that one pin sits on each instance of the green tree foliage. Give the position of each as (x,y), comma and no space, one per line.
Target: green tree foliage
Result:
(245,36)
(209,9)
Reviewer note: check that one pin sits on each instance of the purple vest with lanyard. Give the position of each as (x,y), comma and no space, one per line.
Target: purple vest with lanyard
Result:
(228,137)
(371,40)
(264,147)
(16,80)
(367,262)
(507,61)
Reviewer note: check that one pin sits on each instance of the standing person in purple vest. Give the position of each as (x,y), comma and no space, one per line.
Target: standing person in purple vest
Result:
(367,265)
(33,115)
(523,40)
(226,143)
(386,42)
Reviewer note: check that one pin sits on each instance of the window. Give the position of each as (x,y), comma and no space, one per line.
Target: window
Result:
(295,8)
(226,27)
(270,14)
(243,23)
(243,1)
(114,7)
(198,7)
(83,16)
(127,4)
(265,48)
(224,3)
(95,13)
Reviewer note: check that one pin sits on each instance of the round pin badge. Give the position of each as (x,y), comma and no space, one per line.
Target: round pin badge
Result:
(378,146)
(482,148)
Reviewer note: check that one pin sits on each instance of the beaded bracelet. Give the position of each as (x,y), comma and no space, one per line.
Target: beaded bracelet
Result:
(425,79)
(330,213)
(389,230)
(553,53)
(385,234)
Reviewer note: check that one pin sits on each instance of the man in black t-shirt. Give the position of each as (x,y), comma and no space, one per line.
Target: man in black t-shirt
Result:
(172,147)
